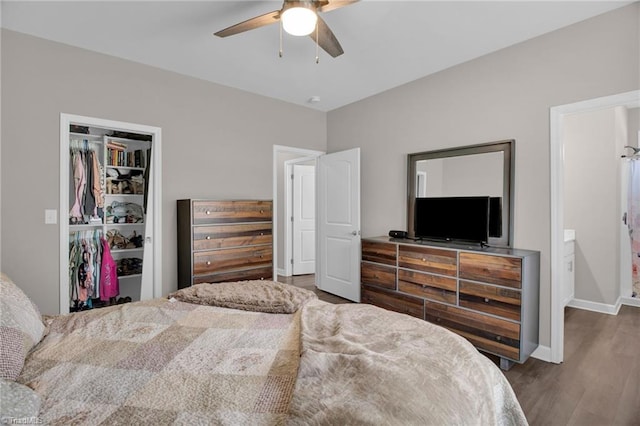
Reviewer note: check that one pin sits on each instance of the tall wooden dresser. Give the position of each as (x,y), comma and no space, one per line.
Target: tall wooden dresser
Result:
(490,296)
(228,240)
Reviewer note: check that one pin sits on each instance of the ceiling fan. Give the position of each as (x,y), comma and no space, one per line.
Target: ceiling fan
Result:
(298,18)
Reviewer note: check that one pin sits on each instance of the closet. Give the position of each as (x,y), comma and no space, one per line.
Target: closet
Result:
(107,215)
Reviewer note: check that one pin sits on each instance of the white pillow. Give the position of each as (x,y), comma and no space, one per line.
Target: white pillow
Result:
(21,328)
(18,402)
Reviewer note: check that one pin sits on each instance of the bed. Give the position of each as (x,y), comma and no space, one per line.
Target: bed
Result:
(267,354)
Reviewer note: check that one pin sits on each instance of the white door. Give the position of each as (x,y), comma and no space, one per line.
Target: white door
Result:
(338,257)
(304,219)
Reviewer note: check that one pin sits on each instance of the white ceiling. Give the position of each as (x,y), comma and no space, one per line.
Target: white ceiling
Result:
(386,43)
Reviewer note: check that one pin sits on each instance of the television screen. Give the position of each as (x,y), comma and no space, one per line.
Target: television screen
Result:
(452,218)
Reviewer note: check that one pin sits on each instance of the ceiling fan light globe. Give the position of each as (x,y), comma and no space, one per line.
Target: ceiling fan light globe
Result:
(299,21)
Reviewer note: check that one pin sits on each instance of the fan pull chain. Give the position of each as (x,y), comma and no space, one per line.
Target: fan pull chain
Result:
(317,45)
(280,51)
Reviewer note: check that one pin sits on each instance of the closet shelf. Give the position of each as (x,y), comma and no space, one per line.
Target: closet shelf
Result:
(85,226)
(129,276)
(124,167)
(85,136)
(131,250)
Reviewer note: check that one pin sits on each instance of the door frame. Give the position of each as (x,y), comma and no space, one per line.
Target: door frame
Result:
(555,353)
(288,212)
(306,154)
(156,176)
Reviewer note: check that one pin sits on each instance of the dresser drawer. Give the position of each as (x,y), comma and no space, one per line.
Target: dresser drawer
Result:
(379,252)
(378,275)
(429,286)
(501,270)
(223,236)
(231,211)
(206,262)
(263,273)
(494,335)
(428,259)
(392,301)
(494,300)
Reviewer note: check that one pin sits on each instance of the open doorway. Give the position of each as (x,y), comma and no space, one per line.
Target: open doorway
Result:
(284,157)
(558,116)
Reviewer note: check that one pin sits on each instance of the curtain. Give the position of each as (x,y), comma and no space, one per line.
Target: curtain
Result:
(633,222)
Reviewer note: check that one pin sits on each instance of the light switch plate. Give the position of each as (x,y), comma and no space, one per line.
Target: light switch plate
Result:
(50,216)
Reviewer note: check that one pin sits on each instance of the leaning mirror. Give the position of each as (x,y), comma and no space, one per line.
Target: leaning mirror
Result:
(478,171)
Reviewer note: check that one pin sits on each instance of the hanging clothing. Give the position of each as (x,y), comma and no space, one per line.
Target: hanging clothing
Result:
(110,286)
(87,182)
(98,184)
(79,179)
(633,222)
(85,261)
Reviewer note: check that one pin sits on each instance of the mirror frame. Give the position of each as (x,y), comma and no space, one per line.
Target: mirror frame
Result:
(507,147)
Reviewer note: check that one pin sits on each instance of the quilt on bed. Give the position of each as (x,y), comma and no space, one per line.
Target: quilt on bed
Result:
(163,362)
(170,362)
(365,365)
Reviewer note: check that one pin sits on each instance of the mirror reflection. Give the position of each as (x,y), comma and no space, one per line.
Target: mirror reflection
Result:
(459,177)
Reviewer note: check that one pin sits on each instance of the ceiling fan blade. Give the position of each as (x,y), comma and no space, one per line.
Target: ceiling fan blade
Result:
(335,4)
(250,24)
(328,41)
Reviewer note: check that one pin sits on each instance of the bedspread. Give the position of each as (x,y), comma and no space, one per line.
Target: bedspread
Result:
(162,362)
(364,365)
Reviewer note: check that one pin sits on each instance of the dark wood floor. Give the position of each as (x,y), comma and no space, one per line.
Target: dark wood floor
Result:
(309,282)
(599,382)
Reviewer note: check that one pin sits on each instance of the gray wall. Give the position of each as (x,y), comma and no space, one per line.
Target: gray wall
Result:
(592,169)
(634,127)
(217,142)
(499,96)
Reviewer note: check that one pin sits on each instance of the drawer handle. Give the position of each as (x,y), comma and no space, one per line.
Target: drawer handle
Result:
(438,320)
(208,237)
(499,338)
(424,286)
(261,211)
(208,262)
(262,233)
(424,260)
(208,212)
(261,256)
(486,300)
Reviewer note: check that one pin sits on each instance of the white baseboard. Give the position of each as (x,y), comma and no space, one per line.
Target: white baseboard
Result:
(602,308)
(281,272)
(630,301)
(543,353)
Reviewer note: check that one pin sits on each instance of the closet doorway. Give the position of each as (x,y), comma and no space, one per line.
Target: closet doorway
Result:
(110,195)
(558,114)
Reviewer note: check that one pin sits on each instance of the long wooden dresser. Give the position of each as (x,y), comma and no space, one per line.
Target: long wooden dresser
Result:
(228,240)
(490,296)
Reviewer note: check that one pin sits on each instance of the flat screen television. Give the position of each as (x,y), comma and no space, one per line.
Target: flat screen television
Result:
(452,219)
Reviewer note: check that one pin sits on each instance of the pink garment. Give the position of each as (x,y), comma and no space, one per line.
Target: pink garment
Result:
(80,183)
(109,285)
